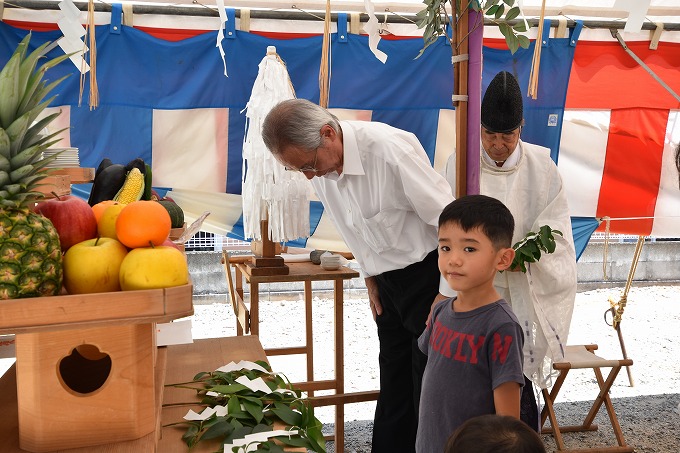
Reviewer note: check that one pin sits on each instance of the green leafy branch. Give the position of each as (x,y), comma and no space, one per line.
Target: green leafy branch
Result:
(528,250)
(434,18)
(250,412)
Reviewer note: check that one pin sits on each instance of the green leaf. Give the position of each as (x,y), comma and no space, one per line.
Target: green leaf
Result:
(492,10)
(505,30)
(520,27)
(190,436)
(228,389)
(262,428)
(255,410)
(295,441)
(221,428)
(499,11)
(523,41)
(512,13)
(238,433)
(513,42)
(286,414)
(509,2)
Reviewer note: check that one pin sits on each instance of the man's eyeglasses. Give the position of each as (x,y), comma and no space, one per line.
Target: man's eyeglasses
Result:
(307,168)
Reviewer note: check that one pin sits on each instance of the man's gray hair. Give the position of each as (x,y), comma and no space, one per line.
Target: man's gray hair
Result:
(296,122)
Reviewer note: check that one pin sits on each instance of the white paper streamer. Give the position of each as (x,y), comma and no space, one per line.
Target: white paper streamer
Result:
(251,441)
(637,9)
(73,30)
(372,29)
(256,385)
(242,365)
(220,33)
(269,191)
(207,412)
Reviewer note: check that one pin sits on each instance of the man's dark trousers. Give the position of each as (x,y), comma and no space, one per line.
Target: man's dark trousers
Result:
(406,296)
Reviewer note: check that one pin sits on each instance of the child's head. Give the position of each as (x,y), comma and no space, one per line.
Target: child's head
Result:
(491,216)
(475,236)
(494,434)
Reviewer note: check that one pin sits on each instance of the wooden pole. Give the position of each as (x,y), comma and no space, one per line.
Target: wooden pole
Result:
(460,77)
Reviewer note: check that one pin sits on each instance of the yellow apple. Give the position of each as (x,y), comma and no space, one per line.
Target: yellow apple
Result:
(152,268)
(106,225)
(93,266)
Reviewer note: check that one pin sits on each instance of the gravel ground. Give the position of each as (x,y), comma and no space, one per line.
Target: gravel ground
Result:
(648,411)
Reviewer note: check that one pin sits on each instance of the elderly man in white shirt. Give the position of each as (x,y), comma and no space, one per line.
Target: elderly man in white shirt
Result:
(385,198)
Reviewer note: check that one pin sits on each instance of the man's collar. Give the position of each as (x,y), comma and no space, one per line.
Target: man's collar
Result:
(351,158)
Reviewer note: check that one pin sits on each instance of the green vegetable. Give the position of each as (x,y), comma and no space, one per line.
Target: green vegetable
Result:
(528,250)
(176,213)
(147,183)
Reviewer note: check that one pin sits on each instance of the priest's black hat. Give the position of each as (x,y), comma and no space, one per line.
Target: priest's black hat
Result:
(502,109)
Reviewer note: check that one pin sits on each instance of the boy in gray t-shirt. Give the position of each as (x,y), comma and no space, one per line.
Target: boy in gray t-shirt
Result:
(473,341)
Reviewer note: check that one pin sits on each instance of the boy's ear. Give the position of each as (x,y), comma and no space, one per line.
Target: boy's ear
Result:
(505,257)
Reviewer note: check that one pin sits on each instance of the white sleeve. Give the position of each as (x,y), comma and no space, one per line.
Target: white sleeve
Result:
(445,289)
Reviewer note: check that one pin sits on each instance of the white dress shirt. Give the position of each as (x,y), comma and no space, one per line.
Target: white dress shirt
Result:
(387,201)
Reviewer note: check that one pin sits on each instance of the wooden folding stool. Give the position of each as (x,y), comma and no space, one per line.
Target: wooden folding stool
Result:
(581,357)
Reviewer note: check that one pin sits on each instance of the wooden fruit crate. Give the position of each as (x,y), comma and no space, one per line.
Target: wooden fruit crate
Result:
(86,366)
(55,184)
(78,175)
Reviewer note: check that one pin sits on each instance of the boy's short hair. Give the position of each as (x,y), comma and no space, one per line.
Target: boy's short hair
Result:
(488,214)
(494,434)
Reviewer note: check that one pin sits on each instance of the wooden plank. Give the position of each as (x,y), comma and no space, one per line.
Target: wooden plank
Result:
(267,271)
(184,362)
(77,175)
(104,405)
(59,184)
(302,271)
(274,261)
(344,398)
(84,310)
(9,425)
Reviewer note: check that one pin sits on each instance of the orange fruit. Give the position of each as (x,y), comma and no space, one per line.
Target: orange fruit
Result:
(142,224)
(106,225)
(100,207)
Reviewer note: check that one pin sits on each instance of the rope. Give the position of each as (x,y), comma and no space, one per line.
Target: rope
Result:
(617,309)
(607,223)
(324,72)
(94,90)
(536,62)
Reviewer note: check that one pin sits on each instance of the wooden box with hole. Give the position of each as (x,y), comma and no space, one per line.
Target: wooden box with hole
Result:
(86,365)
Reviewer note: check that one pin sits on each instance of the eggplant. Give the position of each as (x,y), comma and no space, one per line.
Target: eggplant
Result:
(136,163)
(106,162)
(107,183)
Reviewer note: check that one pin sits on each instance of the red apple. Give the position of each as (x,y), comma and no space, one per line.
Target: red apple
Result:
(168,243)
(73,218)
(93,266)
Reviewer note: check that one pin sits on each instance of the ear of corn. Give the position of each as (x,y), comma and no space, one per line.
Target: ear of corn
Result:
(132,189)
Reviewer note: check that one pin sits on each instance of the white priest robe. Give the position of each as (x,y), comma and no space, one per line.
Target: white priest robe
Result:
(542,298)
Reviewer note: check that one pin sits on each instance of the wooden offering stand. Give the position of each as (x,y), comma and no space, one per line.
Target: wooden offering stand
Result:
(86,367)
(266,259)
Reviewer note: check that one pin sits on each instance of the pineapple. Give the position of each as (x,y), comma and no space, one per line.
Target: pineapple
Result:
(30,255)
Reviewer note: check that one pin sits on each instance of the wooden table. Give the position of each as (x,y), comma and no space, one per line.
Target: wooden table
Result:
(184,362)
(248,322)
(176,363)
